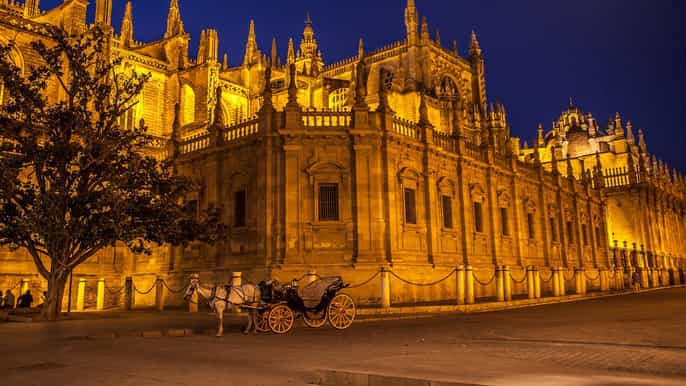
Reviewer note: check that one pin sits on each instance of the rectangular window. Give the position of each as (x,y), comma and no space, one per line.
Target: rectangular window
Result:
(584,233)
(239,213)
(328,202)
(553,230)
(504,224)
(447,212)
(478,218)
(570,232)
(410,207)
(530,225)
(598,237)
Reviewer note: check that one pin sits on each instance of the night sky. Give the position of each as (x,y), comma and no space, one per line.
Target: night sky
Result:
(608,55)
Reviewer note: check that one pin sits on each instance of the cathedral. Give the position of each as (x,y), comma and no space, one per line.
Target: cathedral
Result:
(393,158)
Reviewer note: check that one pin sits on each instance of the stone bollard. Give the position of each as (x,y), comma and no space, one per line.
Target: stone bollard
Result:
(644,278)
(100,302)
(499,284)
(460,282)
(508,283)
(556,282)
(81,295)
(530,284)
(563,281)
(311,276)
(236,281)
(160,294)
(469,280)
(537,282)
(578,281)
(385,288)
(128,294)
(603,279)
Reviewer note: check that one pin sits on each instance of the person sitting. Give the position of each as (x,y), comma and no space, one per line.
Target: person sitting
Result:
(8,300)
(25,300)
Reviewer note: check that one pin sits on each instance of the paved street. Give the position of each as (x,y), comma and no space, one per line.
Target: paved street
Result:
(626,340)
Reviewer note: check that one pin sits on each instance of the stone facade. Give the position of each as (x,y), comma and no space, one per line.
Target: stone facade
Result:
(392,158)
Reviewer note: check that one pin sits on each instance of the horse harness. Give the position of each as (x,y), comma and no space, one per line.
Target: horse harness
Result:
(229,289)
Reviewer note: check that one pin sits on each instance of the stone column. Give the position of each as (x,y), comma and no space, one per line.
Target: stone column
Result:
(563,284)
(128,294)
(556,282)
(531,285)
(579,281)
(81,295)
(499,284)
(100,303)
(469,280)
(160,294)
(537,282)
(508,283)
(602,273)
(385,289)
(460,290)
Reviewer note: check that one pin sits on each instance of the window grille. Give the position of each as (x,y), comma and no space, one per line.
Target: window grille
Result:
(328,202)
(239,212)
(447,212)
(410,207)
(531,225)
(570,232)
(478,218)
(504,224)
(553,230)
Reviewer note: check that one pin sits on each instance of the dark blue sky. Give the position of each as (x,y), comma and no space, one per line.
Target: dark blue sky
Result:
(609,55)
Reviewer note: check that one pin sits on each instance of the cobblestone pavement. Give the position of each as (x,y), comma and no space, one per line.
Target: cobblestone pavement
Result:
(627,340)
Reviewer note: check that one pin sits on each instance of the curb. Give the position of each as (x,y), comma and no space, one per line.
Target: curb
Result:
(415,312)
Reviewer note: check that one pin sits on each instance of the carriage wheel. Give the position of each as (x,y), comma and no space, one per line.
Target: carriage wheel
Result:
(341,312)
(281,319)
(262,321)
(314,323)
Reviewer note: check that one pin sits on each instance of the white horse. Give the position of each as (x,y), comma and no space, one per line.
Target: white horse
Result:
(220,297)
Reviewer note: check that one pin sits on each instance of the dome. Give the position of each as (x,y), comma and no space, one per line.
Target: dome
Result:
(578,143)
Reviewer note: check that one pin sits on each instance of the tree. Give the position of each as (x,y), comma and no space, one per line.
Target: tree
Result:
(72,180)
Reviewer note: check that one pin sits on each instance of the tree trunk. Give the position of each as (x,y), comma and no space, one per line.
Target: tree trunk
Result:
(52,308)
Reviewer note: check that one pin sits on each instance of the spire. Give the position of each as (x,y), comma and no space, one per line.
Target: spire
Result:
(424,35)
(251,50)
(208,49)
(174,23)
(629,132)
(308,44)
(31,8)
(218,111)
(360,49)
(438,38)
(642,141)
(275,52)
(456,52)
(292,88)
(291,52)
(619,131)
(103,12)
(411,22)
(225,64)
(127,26)
(474,48)
(423,111)
(540,141)
(267,92)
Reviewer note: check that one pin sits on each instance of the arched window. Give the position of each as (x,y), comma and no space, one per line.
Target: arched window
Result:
(447,88)
(338,98)
(187,105)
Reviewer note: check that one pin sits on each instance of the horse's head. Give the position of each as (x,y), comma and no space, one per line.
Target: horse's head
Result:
(195,281)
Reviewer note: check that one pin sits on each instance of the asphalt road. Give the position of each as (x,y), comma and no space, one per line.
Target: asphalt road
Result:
(627,340)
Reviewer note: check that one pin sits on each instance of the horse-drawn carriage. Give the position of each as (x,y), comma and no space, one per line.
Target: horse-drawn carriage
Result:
(321,301)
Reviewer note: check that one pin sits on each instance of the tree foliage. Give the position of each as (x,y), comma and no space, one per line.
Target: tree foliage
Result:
(72,180)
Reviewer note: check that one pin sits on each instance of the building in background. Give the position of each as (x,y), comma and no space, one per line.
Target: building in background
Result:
(391,158)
